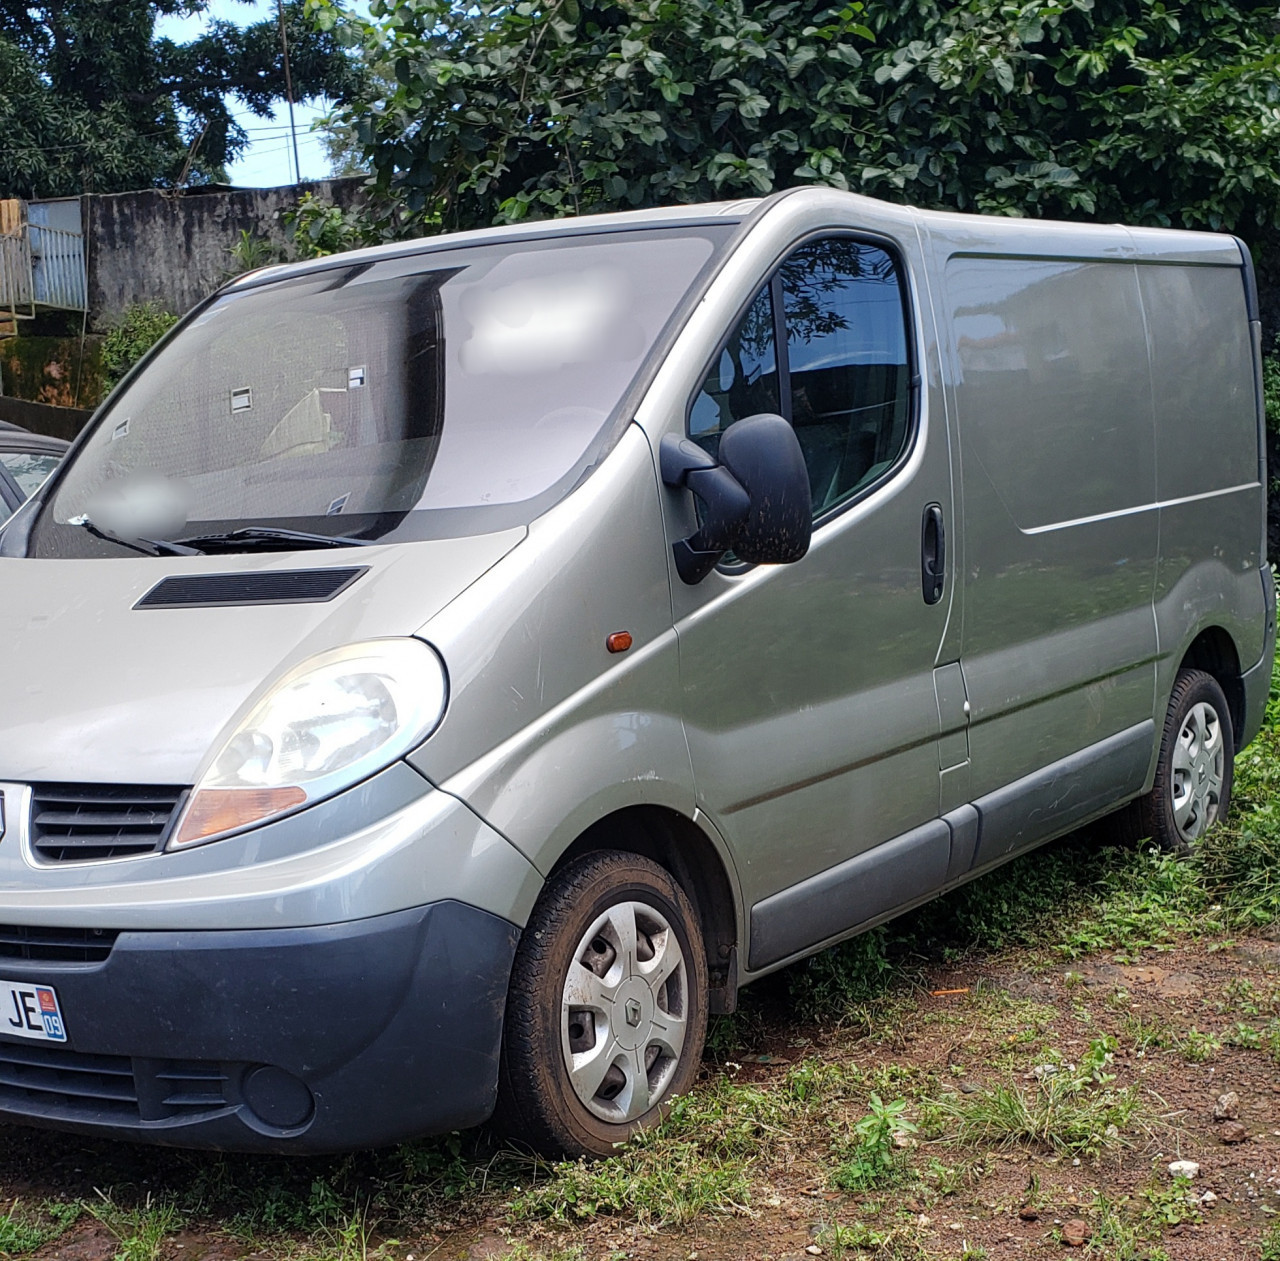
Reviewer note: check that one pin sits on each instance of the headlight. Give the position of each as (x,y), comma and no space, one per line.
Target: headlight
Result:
(327,724)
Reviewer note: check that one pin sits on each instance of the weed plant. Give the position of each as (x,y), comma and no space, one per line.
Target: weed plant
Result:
(25,1228)
(873,1157)
(697,1160)
(1076,1109)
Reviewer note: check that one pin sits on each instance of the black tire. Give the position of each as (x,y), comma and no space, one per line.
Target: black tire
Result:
(1184,801)
(547,1031)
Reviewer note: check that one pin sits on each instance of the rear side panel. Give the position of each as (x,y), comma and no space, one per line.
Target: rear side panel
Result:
(1212,501)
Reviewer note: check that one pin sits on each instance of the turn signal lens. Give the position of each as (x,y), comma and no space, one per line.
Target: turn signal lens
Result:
(215,810)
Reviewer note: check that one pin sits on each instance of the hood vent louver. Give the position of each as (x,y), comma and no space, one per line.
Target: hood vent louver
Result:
(281,586)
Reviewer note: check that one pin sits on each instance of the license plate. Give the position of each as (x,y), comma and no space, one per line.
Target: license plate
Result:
(30,1011)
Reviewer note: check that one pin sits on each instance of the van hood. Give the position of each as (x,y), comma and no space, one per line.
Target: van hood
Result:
(95,690)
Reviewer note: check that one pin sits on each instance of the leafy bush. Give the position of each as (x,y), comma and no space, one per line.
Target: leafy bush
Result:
(320,229)
(1114,109)
(1271,388)
(131,336)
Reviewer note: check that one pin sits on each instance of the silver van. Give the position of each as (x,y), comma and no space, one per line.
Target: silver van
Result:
(443,674)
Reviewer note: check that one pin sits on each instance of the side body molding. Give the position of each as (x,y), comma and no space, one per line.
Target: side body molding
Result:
(905,869)
(1063,795)
(944,852)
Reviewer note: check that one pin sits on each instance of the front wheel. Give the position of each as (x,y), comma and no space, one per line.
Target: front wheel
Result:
(606,1013)
(1192,788)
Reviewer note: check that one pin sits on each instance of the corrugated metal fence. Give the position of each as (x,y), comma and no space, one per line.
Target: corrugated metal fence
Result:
(57,267)
(39,265)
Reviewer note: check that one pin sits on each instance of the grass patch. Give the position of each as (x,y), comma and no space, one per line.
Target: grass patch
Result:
(1269,1245)
(141,1230)
(1075,1109)
(25,1228)
(698,1160)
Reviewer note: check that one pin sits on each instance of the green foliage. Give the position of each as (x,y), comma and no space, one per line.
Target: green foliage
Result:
(1271,388)
(696,1161)
(251,251)
(873,1158)
(1240,863)
(1081,108)
(92,101)
(832,984)
(1075,1108)
(1170,1203)
(1270,1245)
(141,1229)
(23,1229)
(139,327)
(320,229)
(1196,1047)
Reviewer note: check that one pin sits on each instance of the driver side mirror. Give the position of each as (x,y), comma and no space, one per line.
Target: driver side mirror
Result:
(755,499)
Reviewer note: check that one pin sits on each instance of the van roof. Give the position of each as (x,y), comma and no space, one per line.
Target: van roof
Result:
(722,212)
(982,233)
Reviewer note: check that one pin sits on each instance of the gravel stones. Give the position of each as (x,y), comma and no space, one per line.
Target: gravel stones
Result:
(1227,1107)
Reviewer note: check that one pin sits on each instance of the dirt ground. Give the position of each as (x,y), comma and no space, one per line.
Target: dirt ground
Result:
(1176,1017)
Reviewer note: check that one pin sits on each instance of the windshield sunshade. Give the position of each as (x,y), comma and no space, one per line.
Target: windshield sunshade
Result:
(451,392)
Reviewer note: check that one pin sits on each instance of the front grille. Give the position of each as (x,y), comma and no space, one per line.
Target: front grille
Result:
(73,822)
(39,1080)
(56,945)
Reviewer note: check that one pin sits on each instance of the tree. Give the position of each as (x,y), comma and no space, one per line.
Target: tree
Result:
(1116,109)
(92,101)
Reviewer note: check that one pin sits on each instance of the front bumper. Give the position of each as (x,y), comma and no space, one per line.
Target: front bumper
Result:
(302,1040)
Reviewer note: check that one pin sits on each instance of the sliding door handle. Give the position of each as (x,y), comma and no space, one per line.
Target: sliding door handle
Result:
(933,554)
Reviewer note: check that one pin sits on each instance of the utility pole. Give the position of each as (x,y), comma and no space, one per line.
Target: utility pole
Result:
(288,91)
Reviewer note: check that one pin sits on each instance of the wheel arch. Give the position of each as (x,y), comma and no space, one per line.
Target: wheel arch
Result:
(1214,651)
(677,843)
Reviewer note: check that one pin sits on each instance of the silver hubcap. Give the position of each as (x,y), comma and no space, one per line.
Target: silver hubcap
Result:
(1199,760)
(623,1012)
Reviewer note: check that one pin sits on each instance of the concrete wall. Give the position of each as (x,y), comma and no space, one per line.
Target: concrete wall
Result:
(158,246)
(57,422)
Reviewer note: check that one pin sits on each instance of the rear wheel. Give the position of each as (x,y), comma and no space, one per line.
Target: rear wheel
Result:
(1192,788)
(606,1014)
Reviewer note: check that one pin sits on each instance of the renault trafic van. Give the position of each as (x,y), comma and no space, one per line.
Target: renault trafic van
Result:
(443,674)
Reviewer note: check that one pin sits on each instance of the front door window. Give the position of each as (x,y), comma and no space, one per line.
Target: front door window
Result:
(836,307)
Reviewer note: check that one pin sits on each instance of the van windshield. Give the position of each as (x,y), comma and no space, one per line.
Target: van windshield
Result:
(450,392)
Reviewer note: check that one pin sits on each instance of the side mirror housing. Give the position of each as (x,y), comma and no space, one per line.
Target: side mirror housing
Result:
(755,499)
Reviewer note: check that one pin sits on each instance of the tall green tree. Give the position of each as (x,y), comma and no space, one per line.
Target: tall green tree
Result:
(92,101)
(1116,109)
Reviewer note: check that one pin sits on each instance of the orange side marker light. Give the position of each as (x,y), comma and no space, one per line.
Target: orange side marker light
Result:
(619,641)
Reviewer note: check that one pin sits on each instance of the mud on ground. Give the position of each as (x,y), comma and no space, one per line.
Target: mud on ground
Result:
(1185,1034)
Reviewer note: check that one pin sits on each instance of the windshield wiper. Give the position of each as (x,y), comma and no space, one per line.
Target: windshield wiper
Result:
(148,547)
(267,537)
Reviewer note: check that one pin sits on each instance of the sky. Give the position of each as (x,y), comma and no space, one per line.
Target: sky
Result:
(268,160)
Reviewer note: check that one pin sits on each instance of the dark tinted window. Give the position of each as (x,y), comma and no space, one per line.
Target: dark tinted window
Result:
(744,379)
(847,350)
(844,379)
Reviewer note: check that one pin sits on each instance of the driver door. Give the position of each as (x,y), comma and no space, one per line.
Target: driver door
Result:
(808,688)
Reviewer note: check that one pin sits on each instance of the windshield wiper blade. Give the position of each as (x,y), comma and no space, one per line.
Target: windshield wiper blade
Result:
(148,547)
(267,536)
